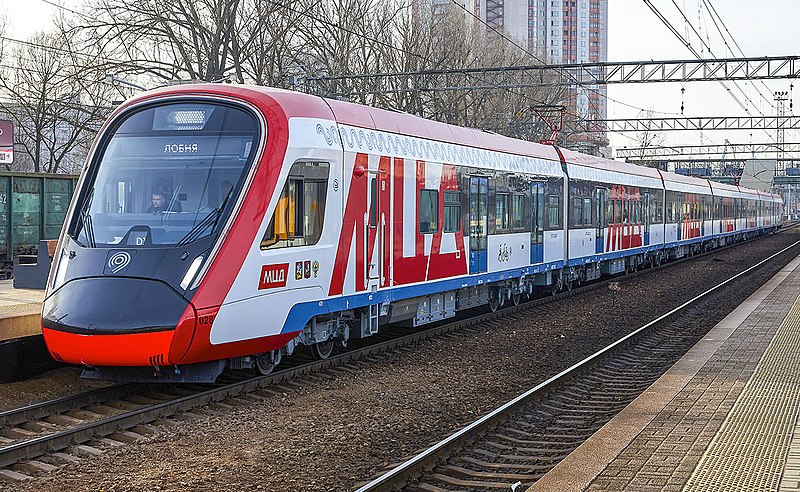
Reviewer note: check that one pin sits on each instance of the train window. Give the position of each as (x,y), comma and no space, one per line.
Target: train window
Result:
(656,212)
(300,211)
(373,202)
(518,212)
(637,217)
(587,212)
(577,212)
(553,211)
(501,211)
(452,211)
(428,211)
(610,211)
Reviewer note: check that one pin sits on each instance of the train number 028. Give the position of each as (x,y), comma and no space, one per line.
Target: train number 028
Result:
(205,320)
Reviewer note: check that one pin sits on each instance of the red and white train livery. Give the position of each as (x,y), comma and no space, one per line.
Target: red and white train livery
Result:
(220,225)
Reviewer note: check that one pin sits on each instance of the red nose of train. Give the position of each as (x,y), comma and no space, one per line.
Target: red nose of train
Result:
(117,321)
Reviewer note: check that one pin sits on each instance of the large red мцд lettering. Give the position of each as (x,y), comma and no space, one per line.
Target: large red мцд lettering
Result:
(390,223)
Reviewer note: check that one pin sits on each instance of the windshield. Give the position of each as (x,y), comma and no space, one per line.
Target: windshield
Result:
(167,176)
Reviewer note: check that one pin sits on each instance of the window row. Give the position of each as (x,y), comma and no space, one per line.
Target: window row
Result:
(509,212)
(504,204)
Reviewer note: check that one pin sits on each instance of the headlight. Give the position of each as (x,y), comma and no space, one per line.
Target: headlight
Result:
(191,272)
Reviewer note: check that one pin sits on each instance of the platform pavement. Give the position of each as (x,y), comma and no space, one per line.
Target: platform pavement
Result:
(725,417)
(20,311)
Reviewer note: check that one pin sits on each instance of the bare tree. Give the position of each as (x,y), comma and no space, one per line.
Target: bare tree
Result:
(54,102)
(165,39)
(267,40)
(647,139)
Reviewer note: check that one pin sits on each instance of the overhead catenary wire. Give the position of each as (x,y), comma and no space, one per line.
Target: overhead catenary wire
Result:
(712,13)
(711,52)
(686,42)
(577,83)
(402,50)
(688,45)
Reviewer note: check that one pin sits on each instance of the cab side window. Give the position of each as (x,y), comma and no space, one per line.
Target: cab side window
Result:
(300,212)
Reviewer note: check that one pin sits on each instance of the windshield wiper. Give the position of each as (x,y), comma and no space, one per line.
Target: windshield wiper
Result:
(209,220)
(86,221)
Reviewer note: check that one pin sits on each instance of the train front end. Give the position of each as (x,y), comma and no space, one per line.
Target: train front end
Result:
(162,186)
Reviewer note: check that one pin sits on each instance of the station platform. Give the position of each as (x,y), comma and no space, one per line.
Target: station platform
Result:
(725,417)
(20,311)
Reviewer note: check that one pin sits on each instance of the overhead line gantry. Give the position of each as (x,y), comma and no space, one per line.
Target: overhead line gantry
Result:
(588,74)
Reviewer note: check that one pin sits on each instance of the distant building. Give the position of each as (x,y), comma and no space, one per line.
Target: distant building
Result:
(558,32)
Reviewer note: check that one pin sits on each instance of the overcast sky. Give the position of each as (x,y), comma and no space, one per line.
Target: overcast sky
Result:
(763,28)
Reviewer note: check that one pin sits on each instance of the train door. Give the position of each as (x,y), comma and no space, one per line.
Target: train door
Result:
(600,208)
(646,220)
(374,232)
(478,221)
(537,222)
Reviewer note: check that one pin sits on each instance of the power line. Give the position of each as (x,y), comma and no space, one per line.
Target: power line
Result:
(688,43)
(332,24)
(712,13)
(59,6)
(578,83)
(694,52)
(711,52)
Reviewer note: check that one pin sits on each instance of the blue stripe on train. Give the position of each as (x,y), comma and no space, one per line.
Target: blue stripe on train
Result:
(301,313)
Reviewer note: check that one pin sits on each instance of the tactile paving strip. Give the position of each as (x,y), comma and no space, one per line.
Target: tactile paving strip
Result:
(750,450)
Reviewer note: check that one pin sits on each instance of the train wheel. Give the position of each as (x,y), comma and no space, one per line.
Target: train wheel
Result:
(515,298)
(323,350)
(266,362)
(494,299)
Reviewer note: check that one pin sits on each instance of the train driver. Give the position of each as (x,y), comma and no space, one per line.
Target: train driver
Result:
(161,205)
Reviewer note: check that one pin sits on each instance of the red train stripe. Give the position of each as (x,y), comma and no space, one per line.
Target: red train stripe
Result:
(138,349)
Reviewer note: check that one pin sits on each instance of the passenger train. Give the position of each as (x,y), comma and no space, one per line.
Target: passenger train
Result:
(226,226)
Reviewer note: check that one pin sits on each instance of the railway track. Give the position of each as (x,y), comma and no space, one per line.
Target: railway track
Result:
(85,424)
(513,446)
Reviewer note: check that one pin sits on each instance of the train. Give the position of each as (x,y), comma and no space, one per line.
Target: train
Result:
(32,208)
(227,226)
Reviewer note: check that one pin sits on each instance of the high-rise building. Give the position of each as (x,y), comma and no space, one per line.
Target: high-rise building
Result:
(557,32)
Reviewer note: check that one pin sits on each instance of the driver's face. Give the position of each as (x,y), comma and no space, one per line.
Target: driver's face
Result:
(158,200)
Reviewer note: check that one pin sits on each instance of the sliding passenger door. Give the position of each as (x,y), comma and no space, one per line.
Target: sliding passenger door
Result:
(373,261)
(646,220)
(537,222)
(600,209)
(478,221)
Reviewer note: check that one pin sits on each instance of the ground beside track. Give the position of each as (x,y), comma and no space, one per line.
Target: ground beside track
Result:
(47,386)
(342,429)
